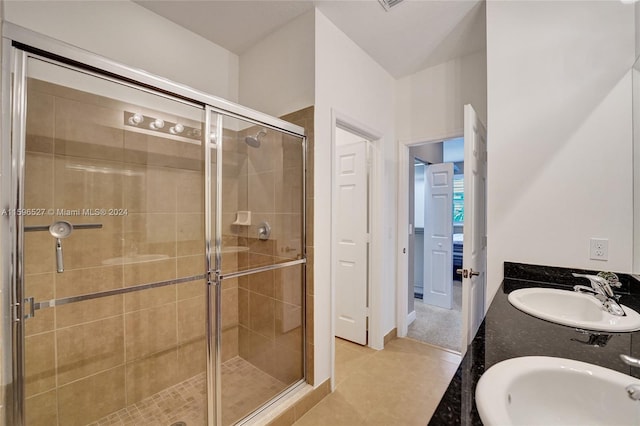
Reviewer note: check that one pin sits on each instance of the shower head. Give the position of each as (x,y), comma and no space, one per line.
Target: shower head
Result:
(254,141)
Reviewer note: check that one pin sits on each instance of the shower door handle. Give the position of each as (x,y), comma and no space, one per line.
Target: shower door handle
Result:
(32,307)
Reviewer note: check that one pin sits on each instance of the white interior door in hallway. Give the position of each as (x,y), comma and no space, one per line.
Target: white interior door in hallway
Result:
(438,235)
(475,228)
(352,241)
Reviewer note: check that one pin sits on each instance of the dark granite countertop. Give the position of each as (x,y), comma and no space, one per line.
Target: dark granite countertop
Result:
(507,333)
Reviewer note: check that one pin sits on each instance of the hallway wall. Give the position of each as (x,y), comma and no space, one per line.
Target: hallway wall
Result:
(277,74)
(430,102)
(350,82)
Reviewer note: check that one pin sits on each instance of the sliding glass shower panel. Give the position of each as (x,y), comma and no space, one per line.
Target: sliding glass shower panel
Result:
(113,253)
(262,196)
(267,356)
(261,250)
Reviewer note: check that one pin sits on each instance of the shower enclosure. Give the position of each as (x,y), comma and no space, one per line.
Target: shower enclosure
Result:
(153,246)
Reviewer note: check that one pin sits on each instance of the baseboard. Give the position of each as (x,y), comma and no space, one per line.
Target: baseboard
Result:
(411,318)
(390,336)
(288,412)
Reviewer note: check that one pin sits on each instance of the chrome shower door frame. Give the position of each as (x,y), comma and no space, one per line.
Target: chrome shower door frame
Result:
(18,44)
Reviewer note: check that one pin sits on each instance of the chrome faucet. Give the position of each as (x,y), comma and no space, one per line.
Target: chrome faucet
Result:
(601,290)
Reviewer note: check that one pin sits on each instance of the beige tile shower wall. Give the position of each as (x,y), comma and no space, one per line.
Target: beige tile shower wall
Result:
(119,349)
(271,303)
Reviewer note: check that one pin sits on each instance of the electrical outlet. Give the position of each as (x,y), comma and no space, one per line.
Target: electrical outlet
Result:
(599,248)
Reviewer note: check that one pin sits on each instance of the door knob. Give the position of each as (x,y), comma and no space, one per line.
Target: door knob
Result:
(466,273)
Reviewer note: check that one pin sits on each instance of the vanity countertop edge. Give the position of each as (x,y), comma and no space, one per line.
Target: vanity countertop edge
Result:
(507,332)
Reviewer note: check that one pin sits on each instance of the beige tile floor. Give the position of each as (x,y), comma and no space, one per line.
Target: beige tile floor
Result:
(244,388)
(400,385)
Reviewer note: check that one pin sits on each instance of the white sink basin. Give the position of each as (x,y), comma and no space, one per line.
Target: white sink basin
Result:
(539,390)
(572,309)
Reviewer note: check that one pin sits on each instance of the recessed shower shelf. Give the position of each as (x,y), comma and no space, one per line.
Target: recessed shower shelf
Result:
(243,218)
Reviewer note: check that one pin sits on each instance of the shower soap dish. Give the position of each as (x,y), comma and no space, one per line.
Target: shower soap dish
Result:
(243,217)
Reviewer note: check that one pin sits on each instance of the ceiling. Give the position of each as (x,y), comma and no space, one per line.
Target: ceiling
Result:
(413,35)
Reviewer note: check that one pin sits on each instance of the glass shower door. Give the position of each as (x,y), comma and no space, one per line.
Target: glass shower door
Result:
(260,252)
(112,219)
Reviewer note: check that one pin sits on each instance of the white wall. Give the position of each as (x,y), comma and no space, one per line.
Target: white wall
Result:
(277,74)
(130,34)
(430,102)
(350,82)
(559,143)
(636,166)
(637,22)
(4,298)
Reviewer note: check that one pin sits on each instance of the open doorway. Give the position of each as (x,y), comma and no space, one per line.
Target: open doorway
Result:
(474,245)
(356,297)
(436,218)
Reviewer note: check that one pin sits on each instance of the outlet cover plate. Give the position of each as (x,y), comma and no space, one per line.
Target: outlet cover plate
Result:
(599,249)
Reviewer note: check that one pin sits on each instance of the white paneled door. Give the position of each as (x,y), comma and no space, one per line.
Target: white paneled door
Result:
(351,266)
(475,225)
(438,239)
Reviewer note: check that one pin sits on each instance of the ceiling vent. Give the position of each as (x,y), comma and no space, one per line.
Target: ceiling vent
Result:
(388,4)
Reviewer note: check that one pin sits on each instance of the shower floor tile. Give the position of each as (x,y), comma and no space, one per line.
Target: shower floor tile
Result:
(245,388)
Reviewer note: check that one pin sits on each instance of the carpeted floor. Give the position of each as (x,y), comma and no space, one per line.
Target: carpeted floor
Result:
(438,326)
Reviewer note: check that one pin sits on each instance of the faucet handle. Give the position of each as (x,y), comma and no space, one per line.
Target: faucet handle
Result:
(629,360)
(599,284)
(593,278)
(612,278)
